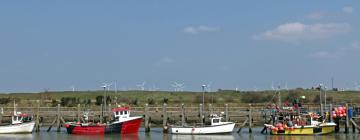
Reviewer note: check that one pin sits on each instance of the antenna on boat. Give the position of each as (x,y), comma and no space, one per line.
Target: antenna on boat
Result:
(279,97)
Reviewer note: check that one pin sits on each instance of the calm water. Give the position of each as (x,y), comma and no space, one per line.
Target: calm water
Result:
(156,134)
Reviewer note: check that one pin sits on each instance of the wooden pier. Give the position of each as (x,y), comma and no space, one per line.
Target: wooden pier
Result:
(162,116)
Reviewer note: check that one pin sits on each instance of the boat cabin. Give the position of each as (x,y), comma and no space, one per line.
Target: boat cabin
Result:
(19,118)
(215,120)
(121,113)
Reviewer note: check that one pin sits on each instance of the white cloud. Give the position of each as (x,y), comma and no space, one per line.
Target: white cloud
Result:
(325,54)
(163,61)
(296,31)
(194,30)
(353,48)
(315,15)
(348,9)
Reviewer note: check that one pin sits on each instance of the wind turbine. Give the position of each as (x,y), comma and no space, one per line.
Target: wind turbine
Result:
(357,86)
(272,85)
(115,87)
(178,86)
(208,87)
(286,86)
(107,86)
(73,88)
(141,86)
(154,88)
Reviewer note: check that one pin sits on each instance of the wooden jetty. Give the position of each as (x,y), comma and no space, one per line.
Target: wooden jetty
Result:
(154,115)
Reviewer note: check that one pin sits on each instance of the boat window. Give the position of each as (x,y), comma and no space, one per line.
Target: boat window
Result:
(216,120)
(121,112)
(117,113)
(125,112)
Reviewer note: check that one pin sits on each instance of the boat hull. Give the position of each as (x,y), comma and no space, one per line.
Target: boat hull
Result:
(308,130)
(130,126)
(217,129)
(17,128)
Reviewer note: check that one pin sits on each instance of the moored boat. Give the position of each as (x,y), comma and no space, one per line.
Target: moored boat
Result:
(20,123)
(299,127)
(216,127)
(122,123)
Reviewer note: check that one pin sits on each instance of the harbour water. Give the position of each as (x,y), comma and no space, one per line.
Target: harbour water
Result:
(156,134)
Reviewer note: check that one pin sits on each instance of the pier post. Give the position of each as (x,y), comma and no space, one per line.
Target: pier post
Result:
(101,113)
(147,118)
(165,118)
(330,112)
(1,114)
(58,118)
(37,121)
(250,118)
(227,112)
(182,115)
(347,119)
(201,114)
(321,109)
(78,113)
(108,118)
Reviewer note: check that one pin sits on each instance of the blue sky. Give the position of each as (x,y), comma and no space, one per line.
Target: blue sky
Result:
(246,44)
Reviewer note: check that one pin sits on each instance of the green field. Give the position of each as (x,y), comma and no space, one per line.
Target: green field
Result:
(155,98)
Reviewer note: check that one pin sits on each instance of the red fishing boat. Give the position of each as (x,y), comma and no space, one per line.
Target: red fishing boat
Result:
(122,123)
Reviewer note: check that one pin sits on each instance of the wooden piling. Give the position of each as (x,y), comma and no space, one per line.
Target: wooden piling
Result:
(182,115)
(58,118)
(165,118)
(331,115)
(1,114)
(321,109)
(78,113)
(250,118)
(347,120)
(109,113)
(201,114)
(147,118)
(37,121)
(227,112)
(101,113)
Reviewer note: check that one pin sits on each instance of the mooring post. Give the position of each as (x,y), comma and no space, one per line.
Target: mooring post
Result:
(101,113)
(330,112)
(201,114)
(182,114)
(250,118)
(165,118)
(347,119)
(37,121)
(227,112)
(147,125)
(109,113)
(321,110)
(58,118)
(1,114)
(78,113)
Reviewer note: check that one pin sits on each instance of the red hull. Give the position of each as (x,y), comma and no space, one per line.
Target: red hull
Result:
(131,126)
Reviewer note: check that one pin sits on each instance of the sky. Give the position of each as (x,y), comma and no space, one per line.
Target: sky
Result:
(249,45)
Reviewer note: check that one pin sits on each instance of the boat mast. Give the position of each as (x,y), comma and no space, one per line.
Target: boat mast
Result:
(279,97)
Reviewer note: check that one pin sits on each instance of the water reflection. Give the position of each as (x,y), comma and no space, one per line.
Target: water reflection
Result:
(202,137)
(16,136)
(156,134)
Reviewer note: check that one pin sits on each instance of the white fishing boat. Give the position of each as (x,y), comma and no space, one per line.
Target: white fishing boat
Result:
(216,127)
(20,123)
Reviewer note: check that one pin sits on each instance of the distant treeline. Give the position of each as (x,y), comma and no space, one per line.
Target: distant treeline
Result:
(138,98)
